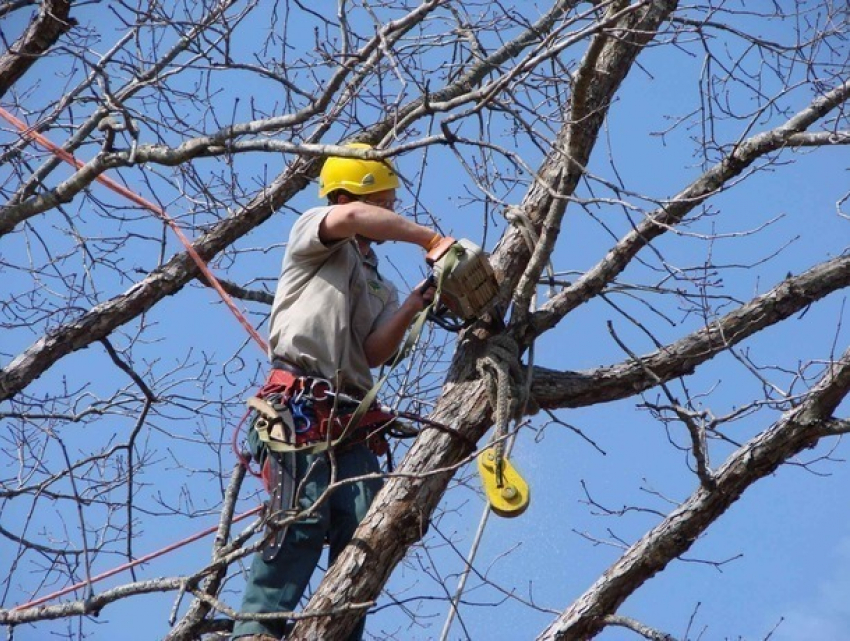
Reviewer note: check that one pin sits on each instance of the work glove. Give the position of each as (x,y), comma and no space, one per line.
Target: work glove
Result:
(437,248)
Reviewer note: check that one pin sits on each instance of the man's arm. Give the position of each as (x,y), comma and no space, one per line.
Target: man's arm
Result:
(385,339)
(358,218)
(361,218)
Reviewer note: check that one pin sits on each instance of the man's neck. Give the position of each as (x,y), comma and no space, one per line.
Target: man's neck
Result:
(364,245)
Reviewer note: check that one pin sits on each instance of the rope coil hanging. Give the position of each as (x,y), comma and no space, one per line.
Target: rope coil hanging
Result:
(507,492)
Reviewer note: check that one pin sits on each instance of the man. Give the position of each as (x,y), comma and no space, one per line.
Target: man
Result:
(333,317)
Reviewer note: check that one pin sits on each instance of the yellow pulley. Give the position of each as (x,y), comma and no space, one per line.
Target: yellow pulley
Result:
(507,492)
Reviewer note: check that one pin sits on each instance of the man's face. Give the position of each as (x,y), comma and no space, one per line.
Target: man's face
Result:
(385,199)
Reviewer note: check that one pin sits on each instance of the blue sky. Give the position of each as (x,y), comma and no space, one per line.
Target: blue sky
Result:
(788,536)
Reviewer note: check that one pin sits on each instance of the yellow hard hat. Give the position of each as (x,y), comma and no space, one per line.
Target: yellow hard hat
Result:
(356,176)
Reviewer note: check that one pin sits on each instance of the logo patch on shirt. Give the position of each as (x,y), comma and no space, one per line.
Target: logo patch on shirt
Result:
(378,290)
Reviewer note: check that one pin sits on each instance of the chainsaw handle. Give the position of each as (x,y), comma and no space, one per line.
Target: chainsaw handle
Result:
(438,315)
(427,284)
(439,319)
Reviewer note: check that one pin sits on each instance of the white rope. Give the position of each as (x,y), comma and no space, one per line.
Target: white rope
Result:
(501,359)
(502,407)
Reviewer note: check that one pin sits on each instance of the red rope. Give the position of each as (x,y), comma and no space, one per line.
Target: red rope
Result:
(134,563)
(234,443)
(69,158)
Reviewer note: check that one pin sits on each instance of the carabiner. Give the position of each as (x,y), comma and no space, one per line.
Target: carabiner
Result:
(324,385)
(303,422)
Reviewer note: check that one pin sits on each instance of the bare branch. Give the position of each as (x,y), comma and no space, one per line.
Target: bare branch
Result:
(798,429)
(638,627)
(573,389)
(672,212)
(52,22)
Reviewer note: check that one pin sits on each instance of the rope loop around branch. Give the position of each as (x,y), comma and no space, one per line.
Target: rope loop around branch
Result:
(506,382)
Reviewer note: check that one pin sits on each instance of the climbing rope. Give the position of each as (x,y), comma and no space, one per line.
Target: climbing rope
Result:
(69,158)
(503,361)
(134,563)
(519,218)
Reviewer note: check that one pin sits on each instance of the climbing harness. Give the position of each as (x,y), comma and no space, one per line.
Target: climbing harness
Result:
(305,414)
(296,414)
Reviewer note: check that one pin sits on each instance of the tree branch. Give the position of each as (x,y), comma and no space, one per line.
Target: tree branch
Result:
(14,5)
(102,319)
(52,22)
(188,627)
(670,214)
(242,293)
(574,389)
(797,430)
(605,66)
(638,627)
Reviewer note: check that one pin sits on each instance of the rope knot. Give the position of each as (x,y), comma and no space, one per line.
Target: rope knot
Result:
(500,367)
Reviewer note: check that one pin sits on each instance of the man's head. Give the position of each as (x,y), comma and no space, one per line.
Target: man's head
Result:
(345,179)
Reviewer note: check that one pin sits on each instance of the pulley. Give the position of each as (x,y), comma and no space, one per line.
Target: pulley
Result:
(506,490)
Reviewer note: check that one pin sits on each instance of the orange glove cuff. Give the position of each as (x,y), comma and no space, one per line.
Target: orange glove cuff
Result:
(436,250)
(433,242)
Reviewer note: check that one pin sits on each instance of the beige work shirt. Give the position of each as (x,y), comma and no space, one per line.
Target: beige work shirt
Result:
(329,299)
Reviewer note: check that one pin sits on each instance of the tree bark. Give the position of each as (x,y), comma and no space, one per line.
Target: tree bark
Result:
(798,429)
(51,22)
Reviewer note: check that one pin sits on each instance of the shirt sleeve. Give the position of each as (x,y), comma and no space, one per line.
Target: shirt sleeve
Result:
(304,242)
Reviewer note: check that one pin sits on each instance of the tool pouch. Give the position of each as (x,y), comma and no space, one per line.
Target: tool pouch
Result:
(469,286)
(279,480)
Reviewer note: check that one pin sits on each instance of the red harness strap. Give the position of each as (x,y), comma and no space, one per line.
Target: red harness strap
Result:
(289,387)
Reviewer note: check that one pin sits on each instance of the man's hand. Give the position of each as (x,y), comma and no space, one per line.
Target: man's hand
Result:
(437,247)
(423,294)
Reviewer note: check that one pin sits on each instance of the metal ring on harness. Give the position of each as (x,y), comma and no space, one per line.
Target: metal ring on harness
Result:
(304,416)
(321,381)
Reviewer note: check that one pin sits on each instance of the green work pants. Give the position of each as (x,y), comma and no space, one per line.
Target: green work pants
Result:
(277,586)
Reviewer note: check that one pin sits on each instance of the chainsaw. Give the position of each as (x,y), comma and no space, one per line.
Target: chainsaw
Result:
(466,283)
